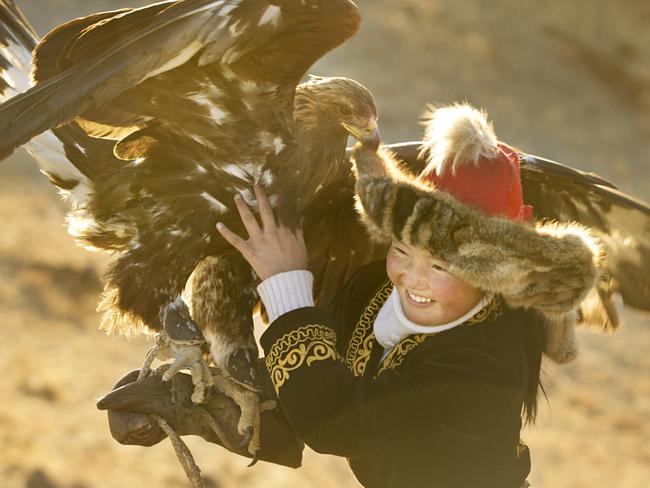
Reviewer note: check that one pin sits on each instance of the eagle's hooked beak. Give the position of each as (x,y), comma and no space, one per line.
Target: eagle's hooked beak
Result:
(368,135)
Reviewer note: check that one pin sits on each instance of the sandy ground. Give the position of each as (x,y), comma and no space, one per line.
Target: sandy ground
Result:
(567,80)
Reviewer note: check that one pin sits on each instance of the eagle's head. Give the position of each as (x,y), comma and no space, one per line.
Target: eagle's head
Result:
(342,104)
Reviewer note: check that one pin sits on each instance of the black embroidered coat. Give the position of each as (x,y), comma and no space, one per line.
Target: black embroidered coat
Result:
(441,410)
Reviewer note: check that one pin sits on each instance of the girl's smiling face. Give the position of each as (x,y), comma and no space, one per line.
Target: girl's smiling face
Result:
(429,293)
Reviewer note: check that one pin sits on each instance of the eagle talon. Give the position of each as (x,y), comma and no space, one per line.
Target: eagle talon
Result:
(190,356)
(185,355)
(246,438)
(181,340)
(249,404)
(151,355)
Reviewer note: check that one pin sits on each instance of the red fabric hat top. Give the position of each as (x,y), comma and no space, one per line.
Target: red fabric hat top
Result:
(467,161)
(492,185)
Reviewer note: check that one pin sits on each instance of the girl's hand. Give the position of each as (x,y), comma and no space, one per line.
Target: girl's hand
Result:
(270,249)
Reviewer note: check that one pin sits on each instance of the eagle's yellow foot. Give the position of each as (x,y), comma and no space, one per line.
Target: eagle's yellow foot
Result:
(250,406)
(185,356)
(182,341)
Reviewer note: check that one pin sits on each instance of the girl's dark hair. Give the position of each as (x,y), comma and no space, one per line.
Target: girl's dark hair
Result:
(533,343)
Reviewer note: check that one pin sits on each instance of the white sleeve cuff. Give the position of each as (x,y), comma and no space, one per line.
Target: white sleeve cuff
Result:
(284,292)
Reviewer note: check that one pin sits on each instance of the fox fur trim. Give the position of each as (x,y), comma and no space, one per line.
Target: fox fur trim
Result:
(547,266)
(560,342)
(455,135)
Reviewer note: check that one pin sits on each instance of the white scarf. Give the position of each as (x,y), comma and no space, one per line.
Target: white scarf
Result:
(391,325)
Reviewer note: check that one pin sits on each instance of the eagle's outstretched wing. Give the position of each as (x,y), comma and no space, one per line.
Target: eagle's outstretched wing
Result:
(162,64)
(339,244)
(159,116)
(14,29)
(197,97)
(68,152)
(620,221)
(212,83)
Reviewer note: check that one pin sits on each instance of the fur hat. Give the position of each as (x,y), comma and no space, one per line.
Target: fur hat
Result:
(467,208)
(467,161)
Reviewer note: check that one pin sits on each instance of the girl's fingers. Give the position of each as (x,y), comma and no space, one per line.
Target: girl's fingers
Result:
(233,239)
(247,217)
(266,211)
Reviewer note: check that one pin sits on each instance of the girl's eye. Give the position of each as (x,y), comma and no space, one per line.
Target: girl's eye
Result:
(437,267)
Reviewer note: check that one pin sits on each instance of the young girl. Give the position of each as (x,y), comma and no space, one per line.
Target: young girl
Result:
(421,370)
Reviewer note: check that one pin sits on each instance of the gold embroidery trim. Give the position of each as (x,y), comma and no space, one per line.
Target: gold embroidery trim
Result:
(399,352)
(491,311)
(360,345)
(397,355)
(304,345)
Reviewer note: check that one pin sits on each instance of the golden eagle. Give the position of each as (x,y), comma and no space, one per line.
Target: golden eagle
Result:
(155,117)
(160,115)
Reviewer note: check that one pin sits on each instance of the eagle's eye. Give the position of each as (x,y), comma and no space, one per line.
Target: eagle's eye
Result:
(345,111)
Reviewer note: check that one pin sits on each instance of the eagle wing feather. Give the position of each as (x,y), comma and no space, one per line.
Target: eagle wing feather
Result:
(199,95)
(620,221)
(121,53)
